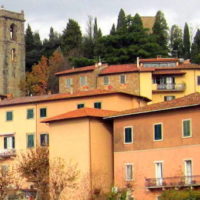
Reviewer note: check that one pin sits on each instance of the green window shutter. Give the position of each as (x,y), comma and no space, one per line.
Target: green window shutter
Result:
(30,142)
(186,128)
(97,105)
(9,116)
(13,142)
(43,112)
(157,132)
(30,114)
(80,106)
(128,135)
(5,142)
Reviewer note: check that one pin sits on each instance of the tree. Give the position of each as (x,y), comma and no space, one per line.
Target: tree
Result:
(136,24)
(62,178)
(186,42)
(195,52)
(72,37)
(36,82)
(176,40)
(180,195)
(51,44)
(113,30)
(160,32)
(121,21)
(50,178)
(34,166)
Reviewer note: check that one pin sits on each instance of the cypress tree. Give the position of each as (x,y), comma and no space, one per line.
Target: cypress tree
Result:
(121,21)
(176,41)
(186,42)
(195,53)
(136,24)
(160,31)
(72,37)
(113,30)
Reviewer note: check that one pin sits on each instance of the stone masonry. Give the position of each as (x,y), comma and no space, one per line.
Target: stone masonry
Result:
(12,51)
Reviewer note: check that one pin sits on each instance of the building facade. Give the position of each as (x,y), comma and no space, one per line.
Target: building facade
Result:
(157,147)
(12,51)
(159,79)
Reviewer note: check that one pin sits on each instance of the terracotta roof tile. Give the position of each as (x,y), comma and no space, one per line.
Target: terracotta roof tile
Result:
(76,70)
(187,101)
(83,112)
(53,97)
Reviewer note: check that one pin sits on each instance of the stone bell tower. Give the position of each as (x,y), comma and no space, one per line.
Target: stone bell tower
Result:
(12,51)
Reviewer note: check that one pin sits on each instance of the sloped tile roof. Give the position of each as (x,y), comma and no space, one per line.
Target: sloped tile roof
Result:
(79,113)
(76,70)
(61,96)
(186,101)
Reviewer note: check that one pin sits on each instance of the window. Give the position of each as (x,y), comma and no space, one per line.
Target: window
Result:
(81,105)
(128,135)
(106,80)
(159,172)
(30,114)
(43,112)
(158,132)
(128,172)
(69,82)
(122,79)
(9,116)
(83,80)
(187,128)
(44,139)
(198,80)
(169,98)
(97,105)
(30,140)
(13,54)
(13,30)
(188,171)
(9,142)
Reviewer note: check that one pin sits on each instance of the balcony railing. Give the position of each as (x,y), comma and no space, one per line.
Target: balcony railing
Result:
(171,87)
(7,153)
(179,181)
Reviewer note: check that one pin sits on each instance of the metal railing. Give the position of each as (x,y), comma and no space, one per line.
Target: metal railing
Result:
(6,153)
(178,181)
(175,87)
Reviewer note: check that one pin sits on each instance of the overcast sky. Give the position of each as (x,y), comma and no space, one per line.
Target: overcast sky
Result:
(42,14)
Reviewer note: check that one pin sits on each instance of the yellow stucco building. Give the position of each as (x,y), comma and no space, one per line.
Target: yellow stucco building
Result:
(159,79)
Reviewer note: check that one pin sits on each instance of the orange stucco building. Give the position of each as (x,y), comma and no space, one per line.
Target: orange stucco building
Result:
(157,147)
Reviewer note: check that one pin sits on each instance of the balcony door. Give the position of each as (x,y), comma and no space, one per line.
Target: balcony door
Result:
(188,171)
(169,82)
(159,173)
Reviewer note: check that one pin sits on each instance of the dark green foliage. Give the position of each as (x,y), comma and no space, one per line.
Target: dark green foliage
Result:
(33,48)
(176,40)
(136,24)
(160,31)
(51,44)
(121,21)
(186,42)
(180,195)
(72,37)
(81,61)
(113,30)
(195,54)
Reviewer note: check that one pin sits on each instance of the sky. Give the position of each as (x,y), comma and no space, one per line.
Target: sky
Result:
(42,14)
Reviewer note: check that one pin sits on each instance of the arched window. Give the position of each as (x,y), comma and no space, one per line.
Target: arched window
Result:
(13,55)
(13,31)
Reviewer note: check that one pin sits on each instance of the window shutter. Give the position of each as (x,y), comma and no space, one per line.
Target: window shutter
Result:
(158,132)
(13,142)
(5,142)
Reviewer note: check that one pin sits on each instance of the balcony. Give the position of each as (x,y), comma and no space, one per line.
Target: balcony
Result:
(172,182)
(7,153)
(170,87)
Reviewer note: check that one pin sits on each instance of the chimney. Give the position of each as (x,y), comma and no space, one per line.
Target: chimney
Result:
(138,62)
